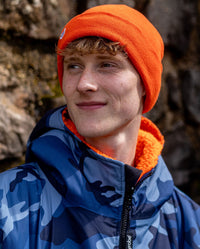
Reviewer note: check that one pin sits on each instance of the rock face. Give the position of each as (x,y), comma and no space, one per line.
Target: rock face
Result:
(37,19)
(29,86)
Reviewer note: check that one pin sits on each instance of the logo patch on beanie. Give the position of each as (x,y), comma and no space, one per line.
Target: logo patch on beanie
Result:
(62,34)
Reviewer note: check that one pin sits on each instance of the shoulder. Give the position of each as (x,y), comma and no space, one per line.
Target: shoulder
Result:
(23,173)
(188,216)
(22,184)
(186,205)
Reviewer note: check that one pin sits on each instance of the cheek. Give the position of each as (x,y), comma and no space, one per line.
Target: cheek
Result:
(66,91)
(67,87)
(129,89)
(66,81)
(131,95)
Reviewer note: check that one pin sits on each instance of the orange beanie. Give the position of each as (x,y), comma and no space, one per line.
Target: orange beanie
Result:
(132,29)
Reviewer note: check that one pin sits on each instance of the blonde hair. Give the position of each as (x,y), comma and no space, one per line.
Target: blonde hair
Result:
(92,45)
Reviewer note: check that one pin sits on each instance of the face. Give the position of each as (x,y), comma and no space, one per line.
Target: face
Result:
(104,94)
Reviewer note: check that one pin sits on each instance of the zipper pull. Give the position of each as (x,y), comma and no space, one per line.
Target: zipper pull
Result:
(129,241)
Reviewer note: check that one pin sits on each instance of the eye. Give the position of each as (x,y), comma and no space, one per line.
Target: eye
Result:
(107,65)
(73,66)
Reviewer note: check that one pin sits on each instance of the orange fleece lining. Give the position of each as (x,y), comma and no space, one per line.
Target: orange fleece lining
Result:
(149,145)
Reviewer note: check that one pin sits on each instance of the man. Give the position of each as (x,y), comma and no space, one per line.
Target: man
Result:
(94,176)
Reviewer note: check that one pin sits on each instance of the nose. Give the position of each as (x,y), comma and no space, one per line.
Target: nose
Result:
(87,81)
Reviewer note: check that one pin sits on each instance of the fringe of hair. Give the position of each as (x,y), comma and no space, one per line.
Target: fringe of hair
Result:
(92,45)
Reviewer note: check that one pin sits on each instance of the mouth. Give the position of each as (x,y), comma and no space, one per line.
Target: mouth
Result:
(92,105)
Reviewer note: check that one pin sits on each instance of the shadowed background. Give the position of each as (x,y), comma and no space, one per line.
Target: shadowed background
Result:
(29,86)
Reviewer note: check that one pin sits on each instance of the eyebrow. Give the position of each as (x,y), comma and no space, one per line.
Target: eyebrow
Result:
(111,57)
(103,57)
(71,58)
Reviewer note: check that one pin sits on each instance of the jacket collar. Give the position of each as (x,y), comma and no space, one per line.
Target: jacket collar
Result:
(149,145)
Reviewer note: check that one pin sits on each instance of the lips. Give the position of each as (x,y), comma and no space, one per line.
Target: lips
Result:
(92,105)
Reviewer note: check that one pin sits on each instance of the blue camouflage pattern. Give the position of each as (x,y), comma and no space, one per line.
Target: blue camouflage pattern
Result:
(68,196)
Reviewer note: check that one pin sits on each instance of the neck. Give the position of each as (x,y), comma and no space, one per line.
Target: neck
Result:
(120,146)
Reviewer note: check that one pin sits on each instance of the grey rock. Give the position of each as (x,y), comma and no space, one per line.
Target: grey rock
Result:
(190,88)
(175,20)
(15,127)
(179,154)
(93,3)
(36,19)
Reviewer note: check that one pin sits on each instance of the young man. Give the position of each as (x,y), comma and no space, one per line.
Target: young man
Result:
(94,176)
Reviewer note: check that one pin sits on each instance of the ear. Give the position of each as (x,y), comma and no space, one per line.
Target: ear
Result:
(143,94)
(143,90)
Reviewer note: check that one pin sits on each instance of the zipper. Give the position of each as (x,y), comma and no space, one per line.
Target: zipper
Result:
(126,240)
(131,177)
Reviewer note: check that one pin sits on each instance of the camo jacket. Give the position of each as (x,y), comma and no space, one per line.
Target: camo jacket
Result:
(67,195)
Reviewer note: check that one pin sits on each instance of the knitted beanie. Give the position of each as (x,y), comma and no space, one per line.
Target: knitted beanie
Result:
(132,29)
